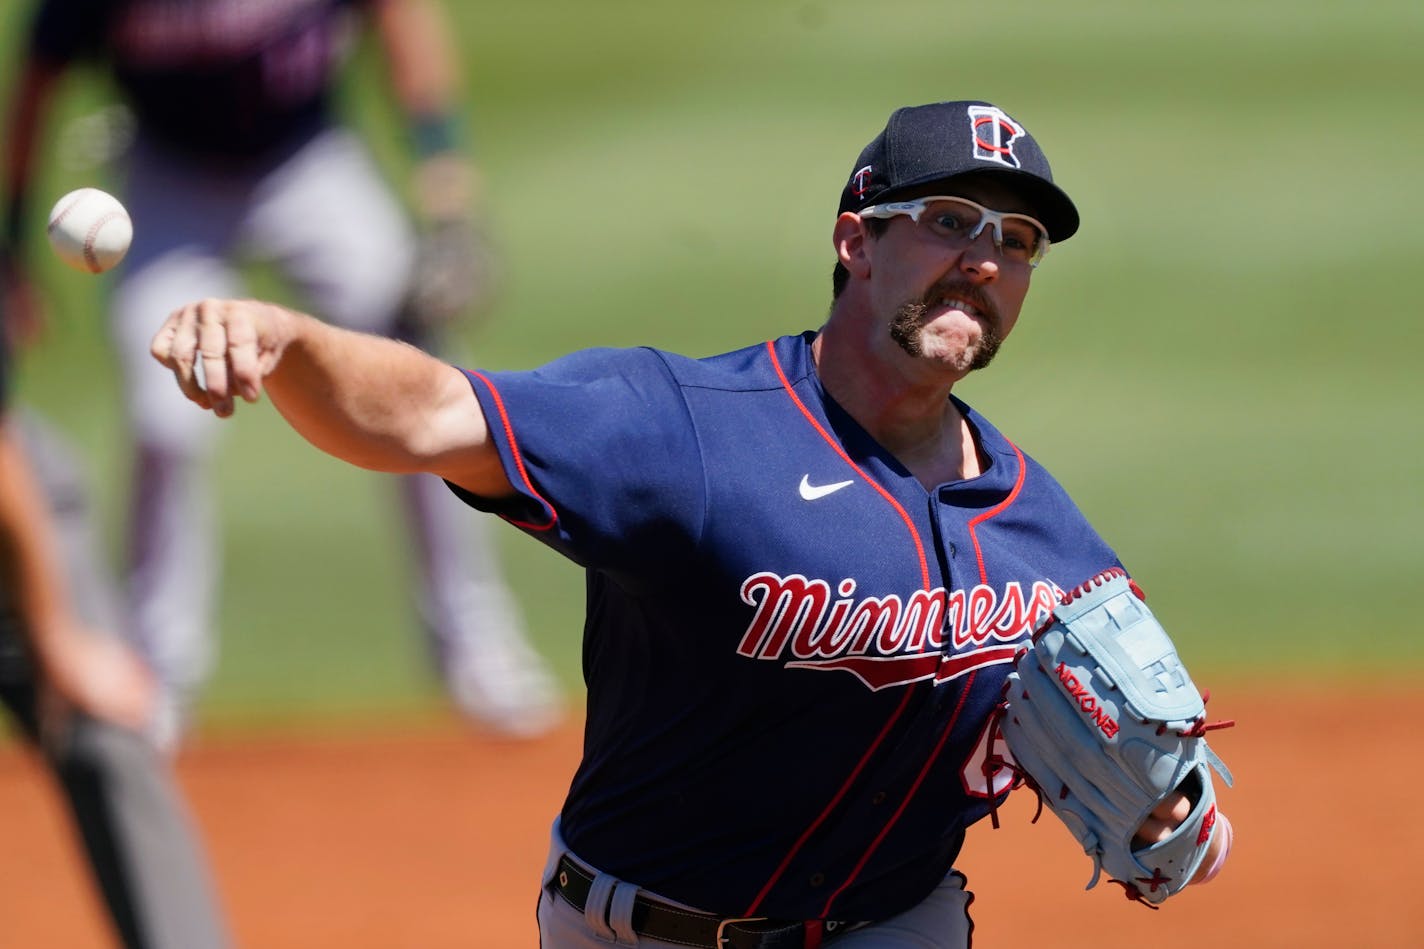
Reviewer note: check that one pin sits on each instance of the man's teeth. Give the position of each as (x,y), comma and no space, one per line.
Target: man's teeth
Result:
(953,304)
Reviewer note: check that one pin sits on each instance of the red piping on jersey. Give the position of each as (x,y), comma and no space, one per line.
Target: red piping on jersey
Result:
(895,716)
(821,819)
(518,459)
(974,522)
(914,534)
(914,788)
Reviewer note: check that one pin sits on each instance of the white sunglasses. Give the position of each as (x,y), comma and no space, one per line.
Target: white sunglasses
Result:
(959,222)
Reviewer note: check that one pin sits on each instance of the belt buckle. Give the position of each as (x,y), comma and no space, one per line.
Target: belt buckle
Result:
(721,940)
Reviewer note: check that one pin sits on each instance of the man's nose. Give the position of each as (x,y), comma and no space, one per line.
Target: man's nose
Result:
(981,258)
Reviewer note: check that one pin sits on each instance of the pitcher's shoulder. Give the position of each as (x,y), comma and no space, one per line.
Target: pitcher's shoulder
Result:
(769,364)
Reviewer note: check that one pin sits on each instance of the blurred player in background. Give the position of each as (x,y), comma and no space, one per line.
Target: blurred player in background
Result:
(80,694)
(238,155)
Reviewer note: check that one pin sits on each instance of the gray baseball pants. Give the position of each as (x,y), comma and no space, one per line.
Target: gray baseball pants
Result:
(940,921)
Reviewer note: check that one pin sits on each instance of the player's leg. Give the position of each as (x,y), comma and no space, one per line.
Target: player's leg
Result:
(327,219)
(141,848)
(141,845)
(343,240)
(189,218)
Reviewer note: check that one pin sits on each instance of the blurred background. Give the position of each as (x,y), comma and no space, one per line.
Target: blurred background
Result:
(1222,366)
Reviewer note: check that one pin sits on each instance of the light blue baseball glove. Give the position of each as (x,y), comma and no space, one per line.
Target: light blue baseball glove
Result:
(1104,722)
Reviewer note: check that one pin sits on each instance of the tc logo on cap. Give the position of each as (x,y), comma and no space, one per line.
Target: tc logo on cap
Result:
(993,134)
(860,182)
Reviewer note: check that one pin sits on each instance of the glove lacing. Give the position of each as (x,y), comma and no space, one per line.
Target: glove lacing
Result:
(994,764)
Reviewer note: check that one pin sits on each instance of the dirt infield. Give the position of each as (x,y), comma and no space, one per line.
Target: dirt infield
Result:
(435,838)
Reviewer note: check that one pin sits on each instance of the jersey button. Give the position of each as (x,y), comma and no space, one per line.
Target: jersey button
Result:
(817,879)
(878,798)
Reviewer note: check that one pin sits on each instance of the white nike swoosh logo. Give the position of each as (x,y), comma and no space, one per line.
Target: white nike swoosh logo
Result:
(811,492)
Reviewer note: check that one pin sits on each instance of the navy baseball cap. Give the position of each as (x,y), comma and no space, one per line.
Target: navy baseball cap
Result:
(927,144)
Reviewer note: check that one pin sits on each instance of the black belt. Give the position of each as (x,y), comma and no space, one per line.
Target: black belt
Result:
(658,920)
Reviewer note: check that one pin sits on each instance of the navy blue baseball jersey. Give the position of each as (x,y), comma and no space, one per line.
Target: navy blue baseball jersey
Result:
(208,77)
(792,647)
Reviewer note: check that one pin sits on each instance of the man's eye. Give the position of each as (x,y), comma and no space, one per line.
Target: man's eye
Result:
(950,222)
(1021,238)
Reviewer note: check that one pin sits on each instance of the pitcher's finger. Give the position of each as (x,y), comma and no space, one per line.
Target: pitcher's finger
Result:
(175,346)
(213,345)
(1152,831)
(1165,818)
(1173,809)
(243,361)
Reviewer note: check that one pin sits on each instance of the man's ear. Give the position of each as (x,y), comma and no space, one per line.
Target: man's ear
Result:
(852,241)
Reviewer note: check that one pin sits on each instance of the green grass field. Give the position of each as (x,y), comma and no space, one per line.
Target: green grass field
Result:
(1221,366)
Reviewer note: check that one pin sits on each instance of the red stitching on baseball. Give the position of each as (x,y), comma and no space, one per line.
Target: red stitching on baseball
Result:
(94,229)
(64,213)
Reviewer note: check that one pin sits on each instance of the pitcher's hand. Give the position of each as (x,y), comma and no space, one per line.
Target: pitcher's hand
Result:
(219,350)
(1167,816)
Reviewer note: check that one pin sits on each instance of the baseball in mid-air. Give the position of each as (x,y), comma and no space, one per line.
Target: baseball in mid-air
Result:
(90,230)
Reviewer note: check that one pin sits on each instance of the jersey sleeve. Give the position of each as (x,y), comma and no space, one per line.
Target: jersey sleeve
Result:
(603,455)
